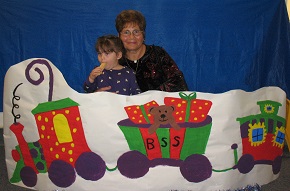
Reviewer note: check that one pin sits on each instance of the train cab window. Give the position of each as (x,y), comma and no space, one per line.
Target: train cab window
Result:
(62,129)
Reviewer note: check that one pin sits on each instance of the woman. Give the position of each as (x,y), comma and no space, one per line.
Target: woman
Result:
(155,69)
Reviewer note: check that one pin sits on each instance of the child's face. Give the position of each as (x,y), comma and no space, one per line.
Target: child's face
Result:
(111,58)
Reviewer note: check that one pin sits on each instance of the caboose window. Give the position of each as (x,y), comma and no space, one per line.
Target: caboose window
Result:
(62,129)
(280,137)
(257,134)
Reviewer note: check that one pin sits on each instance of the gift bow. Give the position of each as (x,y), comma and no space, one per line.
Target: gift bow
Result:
(188,99)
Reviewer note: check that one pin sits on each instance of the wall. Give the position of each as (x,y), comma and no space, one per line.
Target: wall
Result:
(220,45)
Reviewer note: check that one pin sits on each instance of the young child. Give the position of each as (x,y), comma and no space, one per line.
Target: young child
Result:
(121,79)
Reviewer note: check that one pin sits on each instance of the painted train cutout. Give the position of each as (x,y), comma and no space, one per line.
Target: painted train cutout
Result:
(61,135)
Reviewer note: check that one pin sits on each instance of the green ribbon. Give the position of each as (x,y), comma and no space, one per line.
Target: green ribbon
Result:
(144,114)
(188,99)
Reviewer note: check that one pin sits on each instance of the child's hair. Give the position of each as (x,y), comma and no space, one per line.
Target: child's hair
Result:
(110,43)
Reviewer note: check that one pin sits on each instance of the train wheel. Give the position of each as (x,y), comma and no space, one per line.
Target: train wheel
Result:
(28,176)
(90,166)
(133,164)
(61,173)
(196,168)
(246,163)
(277,164)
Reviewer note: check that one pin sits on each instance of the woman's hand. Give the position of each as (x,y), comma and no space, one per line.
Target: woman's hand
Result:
(103,89)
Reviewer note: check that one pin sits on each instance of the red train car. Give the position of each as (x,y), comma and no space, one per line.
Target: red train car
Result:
(263,137)
(62,147)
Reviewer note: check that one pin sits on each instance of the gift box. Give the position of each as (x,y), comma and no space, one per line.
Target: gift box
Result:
(140,114)
(188,109)
(167,142)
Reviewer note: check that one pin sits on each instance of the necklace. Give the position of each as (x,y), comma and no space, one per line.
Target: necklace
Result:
(137,65)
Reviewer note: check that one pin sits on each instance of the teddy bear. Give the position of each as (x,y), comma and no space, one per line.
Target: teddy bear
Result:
(162,115)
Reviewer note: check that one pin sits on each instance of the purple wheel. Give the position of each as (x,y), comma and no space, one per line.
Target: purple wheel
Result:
(61,173)
(246,163)
(28,176)
(133,164)
(90,166)
(277,164)
(196,168)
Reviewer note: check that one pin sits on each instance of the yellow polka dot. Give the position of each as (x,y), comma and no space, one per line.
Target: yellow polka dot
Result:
(52,128)
(71,160)
(199,107)
(48,137)
(39,118)
(172,100)
(149,115)
(56,143)
(135,112)
(51,149)
(180,118)
(53,113)
(179,105)
(78,118)
(74,130)
(46,119)
(42,127)
(42,136)
(140,121)
(72,145)
(202,115)
(183,102)
(63,149)
(182,111)
(129,108)
(195,119)
(57,156)
(192,111)
(137,107)
(133,118)
(67,111)
(194,101)
(206,103)
(177,113)
(70,152)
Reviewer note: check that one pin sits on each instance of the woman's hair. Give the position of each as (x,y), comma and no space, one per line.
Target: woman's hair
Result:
(130,16)
(110,43)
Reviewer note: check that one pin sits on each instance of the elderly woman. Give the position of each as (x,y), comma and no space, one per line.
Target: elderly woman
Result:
(155,69)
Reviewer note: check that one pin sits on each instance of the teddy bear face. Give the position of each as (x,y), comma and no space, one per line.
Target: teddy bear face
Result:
(162,114)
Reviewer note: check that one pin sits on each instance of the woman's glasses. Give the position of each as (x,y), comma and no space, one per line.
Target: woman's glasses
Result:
(127,33)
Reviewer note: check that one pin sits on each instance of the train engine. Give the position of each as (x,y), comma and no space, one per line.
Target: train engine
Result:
(61,149)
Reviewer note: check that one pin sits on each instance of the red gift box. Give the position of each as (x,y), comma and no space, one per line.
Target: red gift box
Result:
(139,114)
(188,108)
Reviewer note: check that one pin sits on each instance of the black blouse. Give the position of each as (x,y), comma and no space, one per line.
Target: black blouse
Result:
(156,70)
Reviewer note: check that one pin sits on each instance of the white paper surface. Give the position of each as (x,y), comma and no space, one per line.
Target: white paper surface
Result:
(100,114)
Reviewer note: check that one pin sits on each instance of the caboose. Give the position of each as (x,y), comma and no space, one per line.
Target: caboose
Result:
(263,137)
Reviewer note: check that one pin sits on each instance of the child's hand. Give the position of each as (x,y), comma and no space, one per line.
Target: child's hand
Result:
(95,73)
